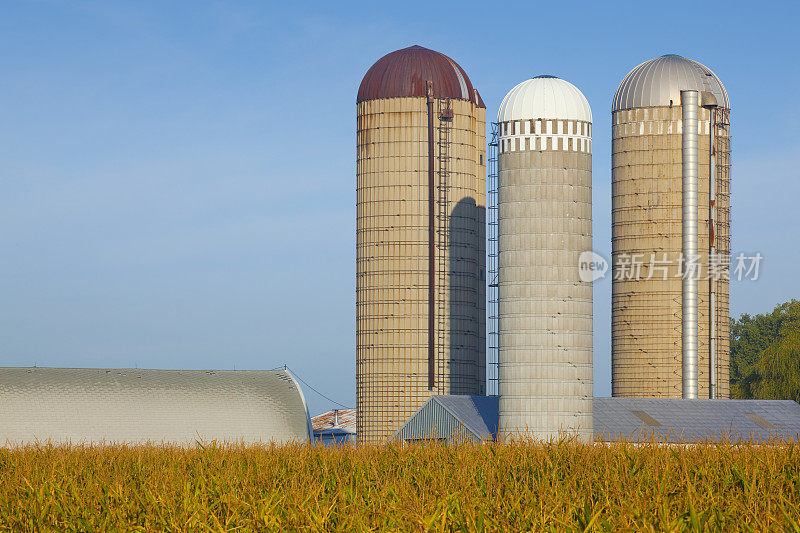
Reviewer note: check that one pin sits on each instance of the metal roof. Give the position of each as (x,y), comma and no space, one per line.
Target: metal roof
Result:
(659,81)
(452,418)
(476,412)
(324,421)
(405,73)
(637,419)
(134,406)
(677,420)
(544,97)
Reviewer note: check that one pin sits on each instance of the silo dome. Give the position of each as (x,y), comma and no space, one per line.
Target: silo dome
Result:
(544,97)
(659,82)
(404,73)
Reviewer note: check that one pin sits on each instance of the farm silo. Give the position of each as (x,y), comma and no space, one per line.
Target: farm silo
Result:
(670,204)
(545,224)
(421,198)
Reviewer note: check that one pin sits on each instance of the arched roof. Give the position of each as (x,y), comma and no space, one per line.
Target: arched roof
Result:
(94,405)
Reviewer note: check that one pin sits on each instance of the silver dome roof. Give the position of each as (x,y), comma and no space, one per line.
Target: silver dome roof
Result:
(656,82)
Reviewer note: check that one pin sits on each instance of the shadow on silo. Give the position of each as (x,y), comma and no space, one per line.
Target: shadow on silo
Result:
(467,271)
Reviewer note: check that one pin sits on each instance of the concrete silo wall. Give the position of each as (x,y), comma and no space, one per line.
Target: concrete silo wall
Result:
(545,310)
(646,223)
(392,261)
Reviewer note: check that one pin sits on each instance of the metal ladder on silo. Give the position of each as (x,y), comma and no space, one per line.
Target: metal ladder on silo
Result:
(493,252)
(723,150)
(443,244)
(722,222)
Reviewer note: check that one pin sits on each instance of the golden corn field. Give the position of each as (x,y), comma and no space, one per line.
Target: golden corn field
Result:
(432,487)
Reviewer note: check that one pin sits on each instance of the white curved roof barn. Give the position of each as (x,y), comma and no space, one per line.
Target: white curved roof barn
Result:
(659,82)
(544,97)
(94,405)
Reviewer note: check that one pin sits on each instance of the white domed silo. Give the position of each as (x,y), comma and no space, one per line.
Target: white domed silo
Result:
(669,335)
(545,223)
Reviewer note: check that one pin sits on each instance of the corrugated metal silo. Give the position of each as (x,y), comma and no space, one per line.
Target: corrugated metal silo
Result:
(421,198)
(651,333)
(545,224)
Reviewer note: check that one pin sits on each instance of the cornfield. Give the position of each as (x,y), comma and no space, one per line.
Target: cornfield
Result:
(560,486)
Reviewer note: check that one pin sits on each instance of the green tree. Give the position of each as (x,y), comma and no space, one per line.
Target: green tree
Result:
(765,354)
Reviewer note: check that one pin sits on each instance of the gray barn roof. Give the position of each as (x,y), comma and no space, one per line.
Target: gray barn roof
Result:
(638,419)
(695,420)
(470,417)
(134,406)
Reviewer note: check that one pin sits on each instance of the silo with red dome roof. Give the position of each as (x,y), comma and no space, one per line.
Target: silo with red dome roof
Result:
(420,252)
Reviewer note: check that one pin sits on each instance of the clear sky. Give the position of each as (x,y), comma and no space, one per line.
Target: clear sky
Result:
(177,179)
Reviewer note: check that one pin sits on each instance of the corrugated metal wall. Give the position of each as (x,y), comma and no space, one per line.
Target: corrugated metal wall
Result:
(392,262)
(94,405)
(431,422)
(646,223)
(434,422)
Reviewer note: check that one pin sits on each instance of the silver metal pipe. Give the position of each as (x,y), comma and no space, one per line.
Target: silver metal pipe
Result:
(689,111)
(712,250)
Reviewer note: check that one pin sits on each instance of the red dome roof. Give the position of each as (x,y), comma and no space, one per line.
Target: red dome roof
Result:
(404,73)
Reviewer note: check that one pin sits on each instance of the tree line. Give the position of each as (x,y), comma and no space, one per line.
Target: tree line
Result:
(765,354)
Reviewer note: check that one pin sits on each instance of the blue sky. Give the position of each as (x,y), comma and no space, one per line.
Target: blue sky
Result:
(177,180)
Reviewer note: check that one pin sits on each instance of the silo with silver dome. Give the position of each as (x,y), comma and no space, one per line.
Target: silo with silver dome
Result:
(670,216)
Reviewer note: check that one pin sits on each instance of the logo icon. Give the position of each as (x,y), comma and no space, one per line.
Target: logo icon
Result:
(591,266)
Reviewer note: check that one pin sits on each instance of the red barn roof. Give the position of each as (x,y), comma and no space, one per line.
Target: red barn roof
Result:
(405,73)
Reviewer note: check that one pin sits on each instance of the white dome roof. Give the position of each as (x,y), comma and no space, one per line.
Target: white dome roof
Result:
(654,83)
(544,97)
